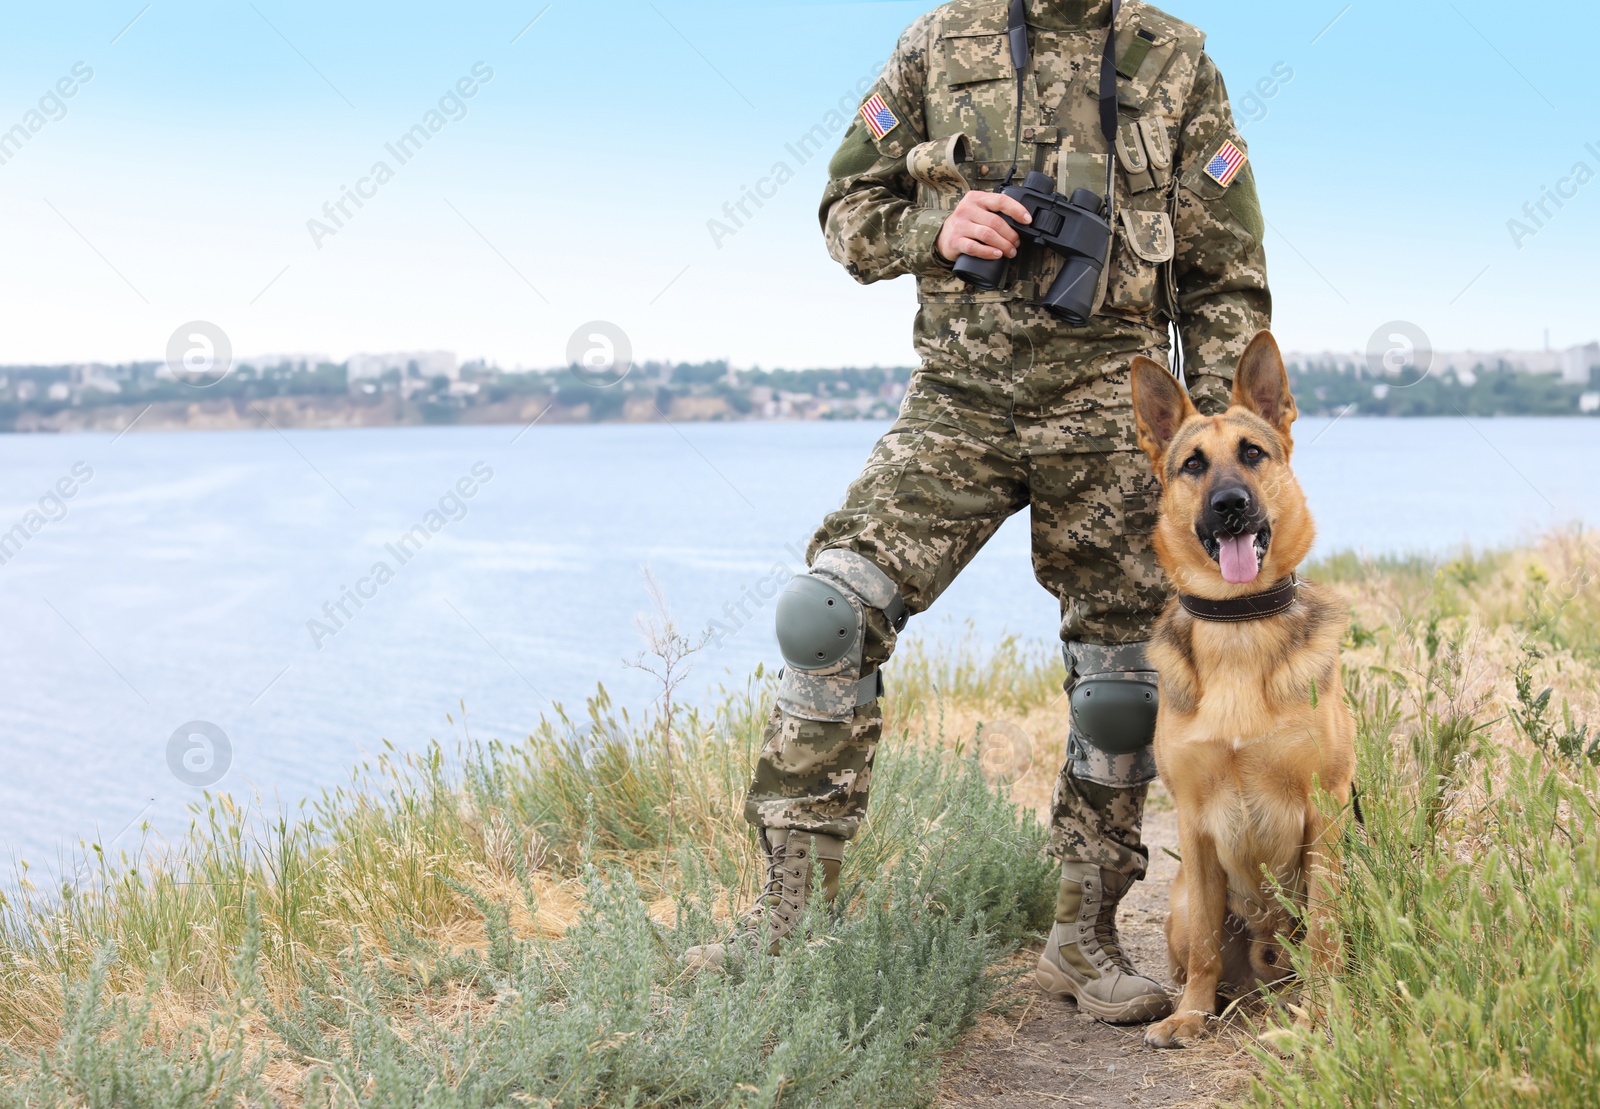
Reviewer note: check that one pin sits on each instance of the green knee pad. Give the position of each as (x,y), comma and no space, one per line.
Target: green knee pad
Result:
(1114,703)
(821,623)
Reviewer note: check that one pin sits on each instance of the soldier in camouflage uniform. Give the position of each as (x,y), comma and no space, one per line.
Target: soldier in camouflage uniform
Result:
(1012,408)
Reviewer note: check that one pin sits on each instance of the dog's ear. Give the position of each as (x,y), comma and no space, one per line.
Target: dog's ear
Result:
(1160,405)
(1261,384)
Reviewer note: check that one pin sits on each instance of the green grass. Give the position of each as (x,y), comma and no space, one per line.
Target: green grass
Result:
(502,926)
(1473,972)
(1471,910)
(391,945)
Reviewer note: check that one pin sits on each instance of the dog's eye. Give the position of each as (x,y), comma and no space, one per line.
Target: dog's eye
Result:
(1253,453)
(1194,464)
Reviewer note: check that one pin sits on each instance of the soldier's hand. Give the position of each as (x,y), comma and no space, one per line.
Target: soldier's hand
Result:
(975,227)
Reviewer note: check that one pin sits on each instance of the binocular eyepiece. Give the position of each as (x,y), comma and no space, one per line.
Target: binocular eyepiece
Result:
(1073,227)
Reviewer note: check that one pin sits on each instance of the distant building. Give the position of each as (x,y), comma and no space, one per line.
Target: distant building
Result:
(1342,360)
(299,362)
(94,377)
(419,363)
(1465,363)
(1574,365)
(1579,363)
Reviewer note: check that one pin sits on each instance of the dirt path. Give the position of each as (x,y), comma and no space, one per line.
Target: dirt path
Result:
(1037,1050)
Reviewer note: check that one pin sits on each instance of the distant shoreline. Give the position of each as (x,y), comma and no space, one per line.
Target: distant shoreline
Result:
(334,413)
(431,390)
(331,413)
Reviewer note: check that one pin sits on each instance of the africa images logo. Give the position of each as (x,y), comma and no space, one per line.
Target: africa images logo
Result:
(199,753)
(199,354)
(450,108)
(450,508)
(51,508)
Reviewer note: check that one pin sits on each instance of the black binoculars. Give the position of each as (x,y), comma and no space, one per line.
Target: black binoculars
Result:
(1074,227)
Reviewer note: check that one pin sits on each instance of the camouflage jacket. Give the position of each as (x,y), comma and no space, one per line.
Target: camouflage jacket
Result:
(1185,243)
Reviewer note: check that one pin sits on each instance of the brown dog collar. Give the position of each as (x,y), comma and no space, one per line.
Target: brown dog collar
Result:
(1257,606)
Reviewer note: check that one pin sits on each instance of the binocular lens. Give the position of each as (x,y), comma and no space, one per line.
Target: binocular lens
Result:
(1071,295)
(985,273)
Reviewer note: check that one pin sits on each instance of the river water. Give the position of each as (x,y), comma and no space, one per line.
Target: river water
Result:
(260,583)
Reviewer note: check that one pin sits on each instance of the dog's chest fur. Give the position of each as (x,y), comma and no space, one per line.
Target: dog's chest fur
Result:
(1238,681)
(1241,734)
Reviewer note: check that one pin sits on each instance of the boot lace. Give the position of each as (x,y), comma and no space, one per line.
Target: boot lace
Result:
(772,895)
(1105,934)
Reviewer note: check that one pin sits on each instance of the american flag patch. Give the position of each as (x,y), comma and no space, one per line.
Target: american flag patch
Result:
(880,120)
(1225,166)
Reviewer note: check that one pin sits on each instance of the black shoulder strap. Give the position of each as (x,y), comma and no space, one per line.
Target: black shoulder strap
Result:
(1017,33)
(1108,81)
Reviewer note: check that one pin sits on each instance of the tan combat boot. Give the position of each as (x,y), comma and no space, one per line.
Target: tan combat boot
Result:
(783,897)
(1084,959)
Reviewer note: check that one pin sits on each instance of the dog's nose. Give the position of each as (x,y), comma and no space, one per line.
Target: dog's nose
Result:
(1231,500)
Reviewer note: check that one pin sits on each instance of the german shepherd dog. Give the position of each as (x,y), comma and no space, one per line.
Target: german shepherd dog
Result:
(1252,721)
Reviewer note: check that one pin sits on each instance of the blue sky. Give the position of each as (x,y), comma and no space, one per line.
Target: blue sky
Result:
(578,183)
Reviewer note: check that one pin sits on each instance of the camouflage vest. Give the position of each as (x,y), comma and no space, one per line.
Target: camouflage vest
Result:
(971,88)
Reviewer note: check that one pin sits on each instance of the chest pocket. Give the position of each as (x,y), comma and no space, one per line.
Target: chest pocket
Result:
(1142,57)
(1144,243)
(971,58)
(974,91)
(1144,154)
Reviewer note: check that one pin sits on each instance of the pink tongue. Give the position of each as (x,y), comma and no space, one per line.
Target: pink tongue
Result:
(1238,559)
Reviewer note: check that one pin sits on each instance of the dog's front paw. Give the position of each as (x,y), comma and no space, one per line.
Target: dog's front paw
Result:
(1177,1030)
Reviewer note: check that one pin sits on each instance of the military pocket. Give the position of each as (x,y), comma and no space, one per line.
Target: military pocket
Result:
(1201,183)
(1133,159)
(886,466)
(947,288)
(944,286)
(898,140)
(971,88)
(969,59)
(1144,242)
(1143,154)
(1154,133)
(1148,234)
(1141,507)
(1234,204)
(1196,181)
(1140,66)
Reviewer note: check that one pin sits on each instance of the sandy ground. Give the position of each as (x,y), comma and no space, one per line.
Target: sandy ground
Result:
(1033,1049)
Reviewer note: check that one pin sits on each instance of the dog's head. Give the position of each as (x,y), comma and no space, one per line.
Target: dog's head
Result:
(1233,518)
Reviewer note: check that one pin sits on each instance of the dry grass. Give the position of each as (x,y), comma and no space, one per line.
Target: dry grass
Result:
(426,866)
(1470,916)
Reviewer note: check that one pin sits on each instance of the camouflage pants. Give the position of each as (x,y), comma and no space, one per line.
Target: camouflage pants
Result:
(978,439)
